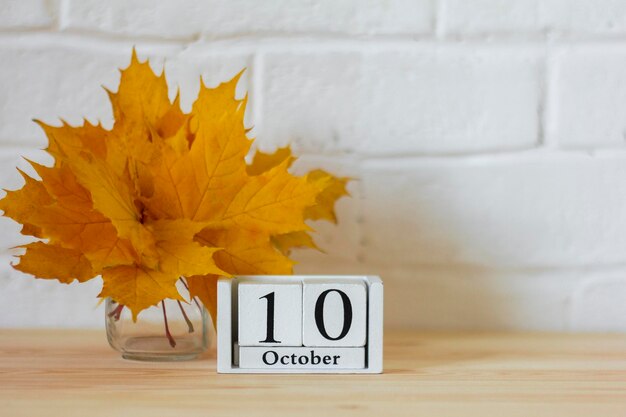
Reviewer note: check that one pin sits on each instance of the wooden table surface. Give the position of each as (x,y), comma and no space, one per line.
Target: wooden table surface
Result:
(75,373)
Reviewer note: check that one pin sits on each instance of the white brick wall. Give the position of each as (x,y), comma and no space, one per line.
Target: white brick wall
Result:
(22,14)
(180,19)
(408,99)
(582,18)
(488,138)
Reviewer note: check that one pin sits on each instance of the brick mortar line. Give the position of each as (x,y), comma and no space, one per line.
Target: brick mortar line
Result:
(257,87)
(550,98)
(543,86)
(61,11)
(312,41)
(399,164)
(584,269)
(24,36)
(439,10)
(519,154)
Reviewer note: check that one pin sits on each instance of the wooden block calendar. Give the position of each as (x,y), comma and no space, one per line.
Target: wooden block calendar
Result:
(300,324)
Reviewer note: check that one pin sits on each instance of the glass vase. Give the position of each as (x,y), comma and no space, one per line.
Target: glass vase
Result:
(170,331)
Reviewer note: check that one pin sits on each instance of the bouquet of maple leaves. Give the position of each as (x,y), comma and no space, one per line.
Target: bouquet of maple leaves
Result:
(165,195)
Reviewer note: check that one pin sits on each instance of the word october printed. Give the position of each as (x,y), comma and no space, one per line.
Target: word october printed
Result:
(272,358)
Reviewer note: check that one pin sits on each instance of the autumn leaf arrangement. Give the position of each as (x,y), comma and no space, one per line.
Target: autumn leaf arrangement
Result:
(165,196)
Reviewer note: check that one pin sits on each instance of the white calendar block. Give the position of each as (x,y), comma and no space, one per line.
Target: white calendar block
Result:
(246,306)
(334,312)
(252,357)
(270,313)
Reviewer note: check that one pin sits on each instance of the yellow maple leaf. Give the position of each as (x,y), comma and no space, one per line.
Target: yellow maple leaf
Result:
(178,252)
(263,162)
(55,262)
(178,255)
(165,194)
(246,252)
(273,202)
(286,242)
(72,220)
(22,205)
(138,287)
(204,287)
(198,182)
(332,189)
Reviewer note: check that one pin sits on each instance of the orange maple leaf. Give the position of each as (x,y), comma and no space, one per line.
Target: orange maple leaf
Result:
(163,195)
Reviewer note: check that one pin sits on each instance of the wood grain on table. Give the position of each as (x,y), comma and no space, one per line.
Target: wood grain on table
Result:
(75,373)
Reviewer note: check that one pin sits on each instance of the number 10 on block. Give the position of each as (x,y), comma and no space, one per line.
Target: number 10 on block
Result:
(306,324)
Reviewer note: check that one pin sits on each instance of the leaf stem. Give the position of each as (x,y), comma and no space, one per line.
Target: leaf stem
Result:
(189,323)
(184,283)
(193,298)
(167,328)
(117,312)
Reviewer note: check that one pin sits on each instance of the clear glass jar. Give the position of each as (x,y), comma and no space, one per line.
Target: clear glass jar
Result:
(170,331)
